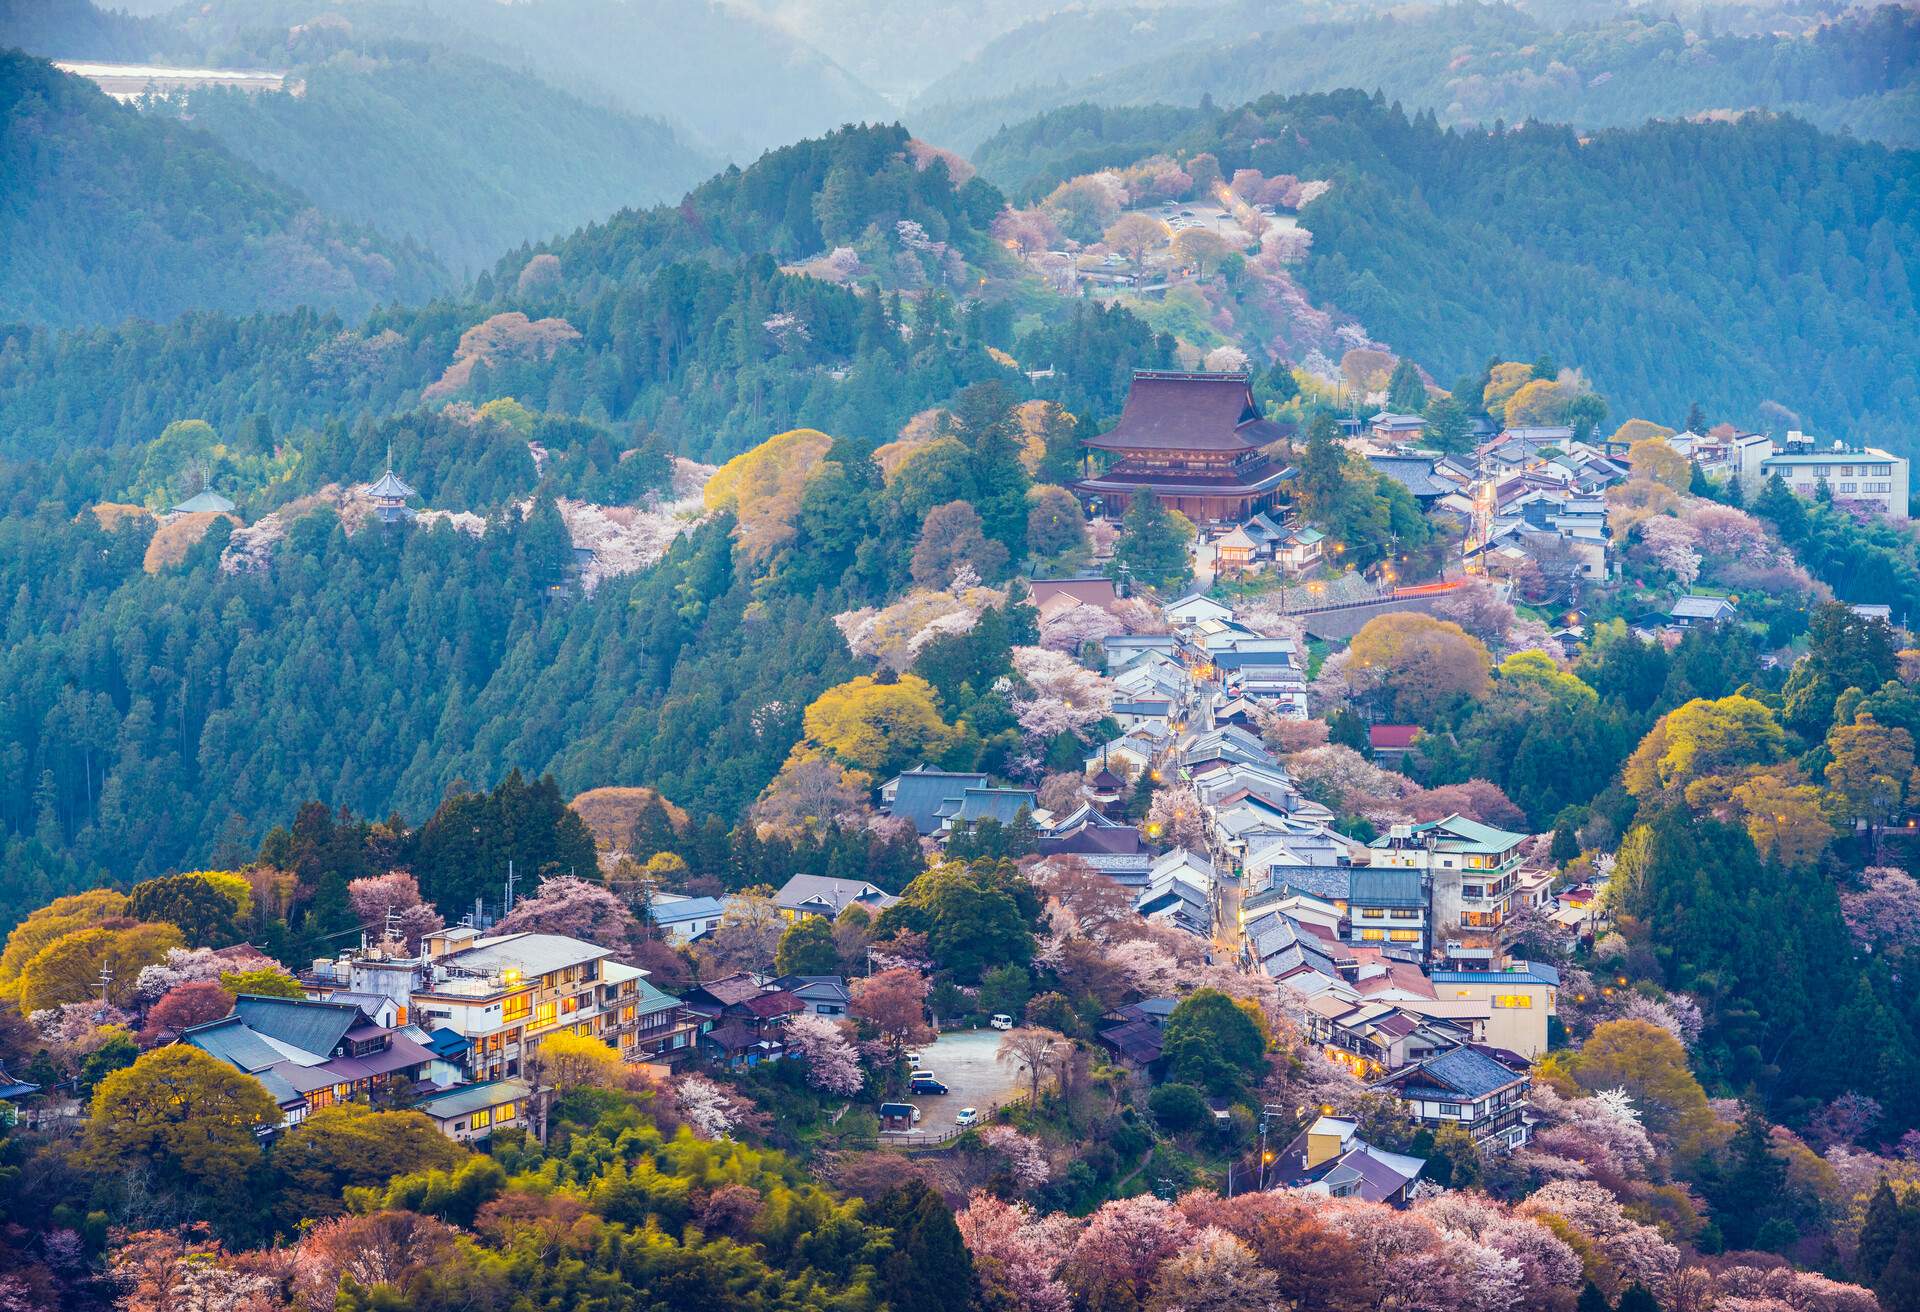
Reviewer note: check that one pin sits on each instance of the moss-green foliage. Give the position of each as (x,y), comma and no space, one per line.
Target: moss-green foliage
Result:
(648,1240)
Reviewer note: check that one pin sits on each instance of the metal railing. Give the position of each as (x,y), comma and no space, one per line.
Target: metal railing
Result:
(921,1140)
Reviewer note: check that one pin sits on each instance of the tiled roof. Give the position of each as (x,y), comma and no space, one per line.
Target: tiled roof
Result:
(919,793)
(315,1027)
(470,1098)
(1189,412)
(1461,1073)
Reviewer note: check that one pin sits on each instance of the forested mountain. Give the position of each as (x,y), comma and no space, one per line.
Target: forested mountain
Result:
(738,84)
(467,158)
(107,213)
(1759,267)
(899,48)
(1469,63)
(79,29)
(403,661)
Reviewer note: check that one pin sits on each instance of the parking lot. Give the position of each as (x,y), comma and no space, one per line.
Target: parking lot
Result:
(964,1063)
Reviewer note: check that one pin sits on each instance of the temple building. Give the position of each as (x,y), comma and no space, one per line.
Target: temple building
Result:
(390,496)
(1196,441)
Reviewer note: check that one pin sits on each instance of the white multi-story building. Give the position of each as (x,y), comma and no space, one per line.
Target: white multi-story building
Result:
(1858,476)
(1471,870)
(505,993)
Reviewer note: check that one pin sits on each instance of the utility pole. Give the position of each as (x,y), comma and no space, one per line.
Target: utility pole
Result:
(105,985)
(507,909)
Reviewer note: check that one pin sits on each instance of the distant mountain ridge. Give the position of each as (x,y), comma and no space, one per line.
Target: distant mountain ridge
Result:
(466,157)
(1470,63)
(110,213)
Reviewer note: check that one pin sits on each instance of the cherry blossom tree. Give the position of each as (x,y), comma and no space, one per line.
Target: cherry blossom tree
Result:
(1213,1273)
(1341,778)
(577,908)
(894,1002)
(1126,1242)
(1176,817)
(1064,695)
(397,892)
(1036,1052)
(1070,629)
(1017,1254)
(384,1248)
(1025,1155)
(708,1106)
(1477,799)
(1886,913)
(832,1064)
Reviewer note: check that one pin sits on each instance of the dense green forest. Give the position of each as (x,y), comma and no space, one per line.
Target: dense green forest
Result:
(407,660)
(1469,63)
(79,29)
(1759,267)
(108,213)
(671,306)
(465,157)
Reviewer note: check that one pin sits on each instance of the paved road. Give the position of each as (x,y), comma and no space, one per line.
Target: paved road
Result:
(965,1061)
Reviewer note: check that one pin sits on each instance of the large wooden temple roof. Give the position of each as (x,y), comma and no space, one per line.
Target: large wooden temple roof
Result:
(1203,413)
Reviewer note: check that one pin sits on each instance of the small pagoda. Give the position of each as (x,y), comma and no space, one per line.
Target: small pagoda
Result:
(1197,441)
(390,496)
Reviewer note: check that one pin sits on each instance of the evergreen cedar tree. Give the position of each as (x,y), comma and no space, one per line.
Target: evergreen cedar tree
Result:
(1211,1042)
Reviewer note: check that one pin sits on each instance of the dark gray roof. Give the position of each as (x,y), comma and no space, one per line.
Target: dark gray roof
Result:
(1462,1073)
(1414,473)
(815,988)
(316,1027)
(919,794)
(1378,886)
(1002,804)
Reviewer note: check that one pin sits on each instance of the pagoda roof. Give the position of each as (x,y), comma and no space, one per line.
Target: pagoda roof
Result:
(1169,411)
(202,501)
(391,486)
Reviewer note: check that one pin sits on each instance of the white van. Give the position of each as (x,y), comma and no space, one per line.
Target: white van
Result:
(1001,1021)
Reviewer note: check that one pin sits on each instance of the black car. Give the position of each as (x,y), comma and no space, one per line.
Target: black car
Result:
(926,1084)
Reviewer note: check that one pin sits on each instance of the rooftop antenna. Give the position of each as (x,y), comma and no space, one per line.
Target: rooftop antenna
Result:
(393,924)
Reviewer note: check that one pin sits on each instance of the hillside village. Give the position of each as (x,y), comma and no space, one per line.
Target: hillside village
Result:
(1218,895)
(864,742)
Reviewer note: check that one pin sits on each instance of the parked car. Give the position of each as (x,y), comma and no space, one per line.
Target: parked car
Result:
(968,1116)
(925,1083)
(1001,1021)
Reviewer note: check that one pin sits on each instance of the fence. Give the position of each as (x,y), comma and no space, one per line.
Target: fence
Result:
(908,1141)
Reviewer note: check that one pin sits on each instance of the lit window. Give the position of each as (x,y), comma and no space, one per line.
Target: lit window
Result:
(1513,1001)
(517,1007)
(1373,935)
(545,1013)
(482,1119)
(1404,935)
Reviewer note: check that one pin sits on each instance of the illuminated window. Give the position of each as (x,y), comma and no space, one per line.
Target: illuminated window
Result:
(545,1014)
(1373,913)
(1373,935)
(481,1119)
(517,1007)
(1404,935)
(1513,1001)
(504,1113)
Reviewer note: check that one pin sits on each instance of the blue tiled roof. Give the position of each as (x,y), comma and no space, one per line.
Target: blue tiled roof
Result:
(1462,1071)
(919,794)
